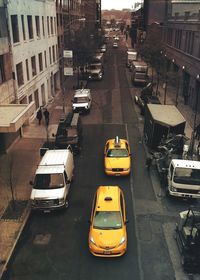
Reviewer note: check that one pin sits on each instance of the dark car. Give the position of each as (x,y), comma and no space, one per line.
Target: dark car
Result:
(69,132)
(146,97)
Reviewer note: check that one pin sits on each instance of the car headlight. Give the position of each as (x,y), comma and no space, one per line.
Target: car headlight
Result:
(92,240)
(33,202)
(74,108)
(122,240)
(61,200)
(109,169)
(126,169)
(173,189)
(86,107)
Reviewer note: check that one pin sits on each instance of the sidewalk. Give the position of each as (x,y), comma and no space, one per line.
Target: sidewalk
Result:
(19,165)
(185,110)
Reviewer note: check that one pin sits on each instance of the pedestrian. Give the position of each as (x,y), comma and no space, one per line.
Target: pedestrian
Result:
(198,152)
(197,132)
(148,163)
(46,116)
(39,115)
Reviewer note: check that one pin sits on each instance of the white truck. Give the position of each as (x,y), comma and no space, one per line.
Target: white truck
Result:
(82,100)
(131,56)
(183,178)
(52,180)
(139,72)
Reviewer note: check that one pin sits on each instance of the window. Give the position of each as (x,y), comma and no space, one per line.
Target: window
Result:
(43,30)
(27,70)
(50,60)
(51,25)
(2,71)
(33,64)
(53,50)
(23,28)
(37,25)
(48,26)
(189,42)
(169,35)
(54,25)
(36,98)
(45,59)
(30,27)
(40,62)
(30,98)
(20,78)
(178,38)
(15,28)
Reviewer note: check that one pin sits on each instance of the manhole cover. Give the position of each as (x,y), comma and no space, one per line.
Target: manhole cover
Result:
(42,239)
(14,210)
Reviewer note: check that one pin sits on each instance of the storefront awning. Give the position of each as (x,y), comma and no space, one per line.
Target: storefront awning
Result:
(13,116)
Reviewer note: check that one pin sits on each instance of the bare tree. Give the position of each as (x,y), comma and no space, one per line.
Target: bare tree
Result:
(7,175)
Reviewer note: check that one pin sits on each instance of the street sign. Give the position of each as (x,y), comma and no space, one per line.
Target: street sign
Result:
(68,62)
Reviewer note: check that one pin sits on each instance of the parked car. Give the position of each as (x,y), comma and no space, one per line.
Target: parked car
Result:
(95,71)
(107,235)
(146,97)
(103,48)
(117,157)
(82,100)
(69,132)
(52,180)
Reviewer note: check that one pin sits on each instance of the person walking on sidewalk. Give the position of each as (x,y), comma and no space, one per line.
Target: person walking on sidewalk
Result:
(39,115)
(198,152)
(148,163)
(197,132)
(46,116)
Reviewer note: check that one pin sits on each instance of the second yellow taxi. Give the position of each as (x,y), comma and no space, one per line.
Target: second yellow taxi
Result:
(117,157)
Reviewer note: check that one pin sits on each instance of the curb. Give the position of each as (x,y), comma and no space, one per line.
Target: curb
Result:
(24,219)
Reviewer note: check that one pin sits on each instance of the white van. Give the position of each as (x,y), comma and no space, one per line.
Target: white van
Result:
(82,100)
(52,180)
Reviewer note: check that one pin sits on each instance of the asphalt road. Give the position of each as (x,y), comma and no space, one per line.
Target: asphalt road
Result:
(55,246)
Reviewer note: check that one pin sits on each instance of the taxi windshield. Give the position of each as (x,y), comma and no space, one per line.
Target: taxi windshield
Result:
(117,153)
(107,220)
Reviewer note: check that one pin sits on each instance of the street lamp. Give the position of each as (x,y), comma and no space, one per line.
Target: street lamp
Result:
(195,118)
(165,84)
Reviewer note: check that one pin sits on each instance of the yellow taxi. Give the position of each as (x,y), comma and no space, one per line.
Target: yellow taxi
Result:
(107,236)
(117,157)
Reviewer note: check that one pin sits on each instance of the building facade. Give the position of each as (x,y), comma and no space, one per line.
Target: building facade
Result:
(29,63)
(181,36)
(34,47)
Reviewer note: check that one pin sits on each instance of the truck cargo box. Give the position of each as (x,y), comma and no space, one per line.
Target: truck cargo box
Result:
(160,121)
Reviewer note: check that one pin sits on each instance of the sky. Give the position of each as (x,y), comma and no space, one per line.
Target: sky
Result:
(117,4)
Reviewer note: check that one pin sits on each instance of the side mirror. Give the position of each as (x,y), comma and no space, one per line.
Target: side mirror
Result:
(127,221)
(31,183)
(53,134)
(89,222)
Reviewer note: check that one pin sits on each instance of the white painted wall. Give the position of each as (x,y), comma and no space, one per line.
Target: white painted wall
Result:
(25,49)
